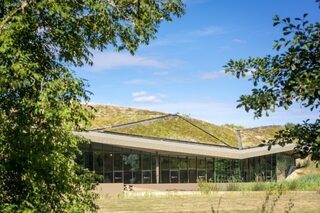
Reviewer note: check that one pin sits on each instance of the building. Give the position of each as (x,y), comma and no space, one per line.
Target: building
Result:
(143,152)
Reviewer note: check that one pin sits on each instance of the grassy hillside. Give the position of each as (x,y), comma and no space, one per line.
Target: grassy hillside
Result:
(176,127)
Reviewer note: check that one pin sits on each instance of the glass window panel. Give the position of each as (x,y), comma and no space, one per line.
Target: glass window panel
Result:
(164,176)
(210,163)
(192,176)
(183,162)
(97,146)
(108,162)
(174,163)
(98,162)
(137,177)
(202,175)
(146,162)
(117,161)
(131,162)
(184,176)
(192,163)
(107,148)
(210,175)
(146,177)
(201,163)
(164,162)
(174,176)
(127,177)
(108,177)
(118,177)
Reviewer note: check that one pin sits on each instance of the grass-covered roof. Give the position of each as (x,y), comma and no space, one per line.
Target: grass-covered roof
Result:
(161,125)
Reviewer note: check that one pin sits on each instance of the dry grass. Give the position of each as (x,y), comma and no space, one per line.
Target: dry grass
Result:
(229,202)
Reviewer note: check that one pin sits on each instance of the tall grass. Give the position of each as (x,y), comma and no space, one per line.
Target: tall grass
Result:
(309,182)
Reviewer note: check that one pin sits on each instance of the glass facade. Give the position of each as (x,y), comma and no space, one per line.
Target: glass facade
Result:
(120,165)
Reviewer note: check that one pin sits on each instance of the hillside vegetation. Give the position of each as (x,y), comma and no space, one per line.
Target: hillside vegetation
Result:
(175,127)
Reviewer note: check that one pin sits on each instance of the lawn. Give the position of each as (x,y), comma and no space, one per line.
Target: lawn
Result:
(224,201)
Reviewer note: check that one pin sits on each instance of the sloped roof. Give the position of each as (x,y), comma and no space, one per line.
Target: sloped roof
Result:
(179,148)
(158,125)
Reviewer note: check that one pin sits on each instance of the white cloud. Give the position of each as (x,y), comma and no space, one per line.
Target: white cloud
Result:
(113,60)
(239,41)
(213,75)
(144,97)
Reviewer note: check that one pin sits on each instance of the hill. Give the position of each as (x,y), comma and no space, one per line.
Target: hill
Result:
(154,124)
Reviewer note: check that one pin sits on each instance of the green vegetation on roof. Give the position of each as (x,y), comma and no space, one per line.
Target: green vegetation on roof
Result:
(107,115)
(176,127)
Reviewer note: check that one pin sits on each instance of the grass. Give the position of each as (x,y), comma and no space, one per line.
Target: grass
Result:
(310,182)
(177,128)
(222,201)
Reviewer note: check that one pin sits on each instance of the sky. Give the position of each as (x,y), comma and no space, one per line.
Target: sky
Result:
(181,71)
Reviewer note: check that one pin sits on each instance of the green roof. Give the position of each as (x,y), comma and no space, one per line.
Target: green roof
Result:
(160,125)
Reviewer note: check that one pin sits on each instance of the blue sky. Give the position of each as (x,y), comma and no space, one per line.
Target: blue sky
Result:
(182,70)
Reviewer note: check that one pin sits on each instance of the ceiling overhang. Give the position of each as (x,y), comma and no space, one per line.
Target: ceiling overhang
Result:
(181,148)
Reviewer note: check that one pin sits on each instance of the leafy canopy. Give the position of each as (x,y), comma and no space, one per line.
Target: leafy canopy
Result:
(290,76)
(40,98)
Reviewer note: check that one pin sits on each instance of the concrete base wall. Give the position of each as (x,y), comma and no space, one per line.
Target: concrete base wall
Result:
(162,187)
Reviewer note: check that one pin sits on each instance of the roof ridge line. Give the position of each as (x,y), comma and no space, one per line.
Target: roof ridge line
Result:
(208,133)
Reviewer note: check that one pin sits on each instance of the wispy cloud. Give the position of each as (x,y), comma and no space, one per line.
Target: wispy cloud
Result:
(188,37)
(208,31)
(144,97)
(238,41)
(112,60)
(140,82)
(213,75)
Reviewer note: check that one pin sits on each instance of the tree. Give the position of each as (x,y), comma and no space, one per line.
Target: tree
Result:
(41,99)
(290,76)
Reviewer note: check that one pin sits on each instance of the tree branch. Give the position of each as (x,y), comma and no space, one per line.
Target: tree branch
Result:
(7,18)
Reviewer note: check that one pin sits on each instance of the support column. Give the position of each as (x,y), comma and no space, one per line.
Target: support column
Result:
(157,168)
(239,139)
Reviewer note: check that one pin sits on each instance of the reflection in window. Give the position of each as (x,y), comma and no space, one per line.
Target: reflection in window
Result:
(108,177)
(98,162)
(164,176)
(146,162)
(137,177)
(117,161)
(184,176)
(131,162)
(108,162)
(146,177)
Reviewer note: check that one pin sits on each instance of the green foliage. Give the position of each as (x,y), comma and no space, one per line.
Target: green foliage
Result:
(40,98)
(292,75)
